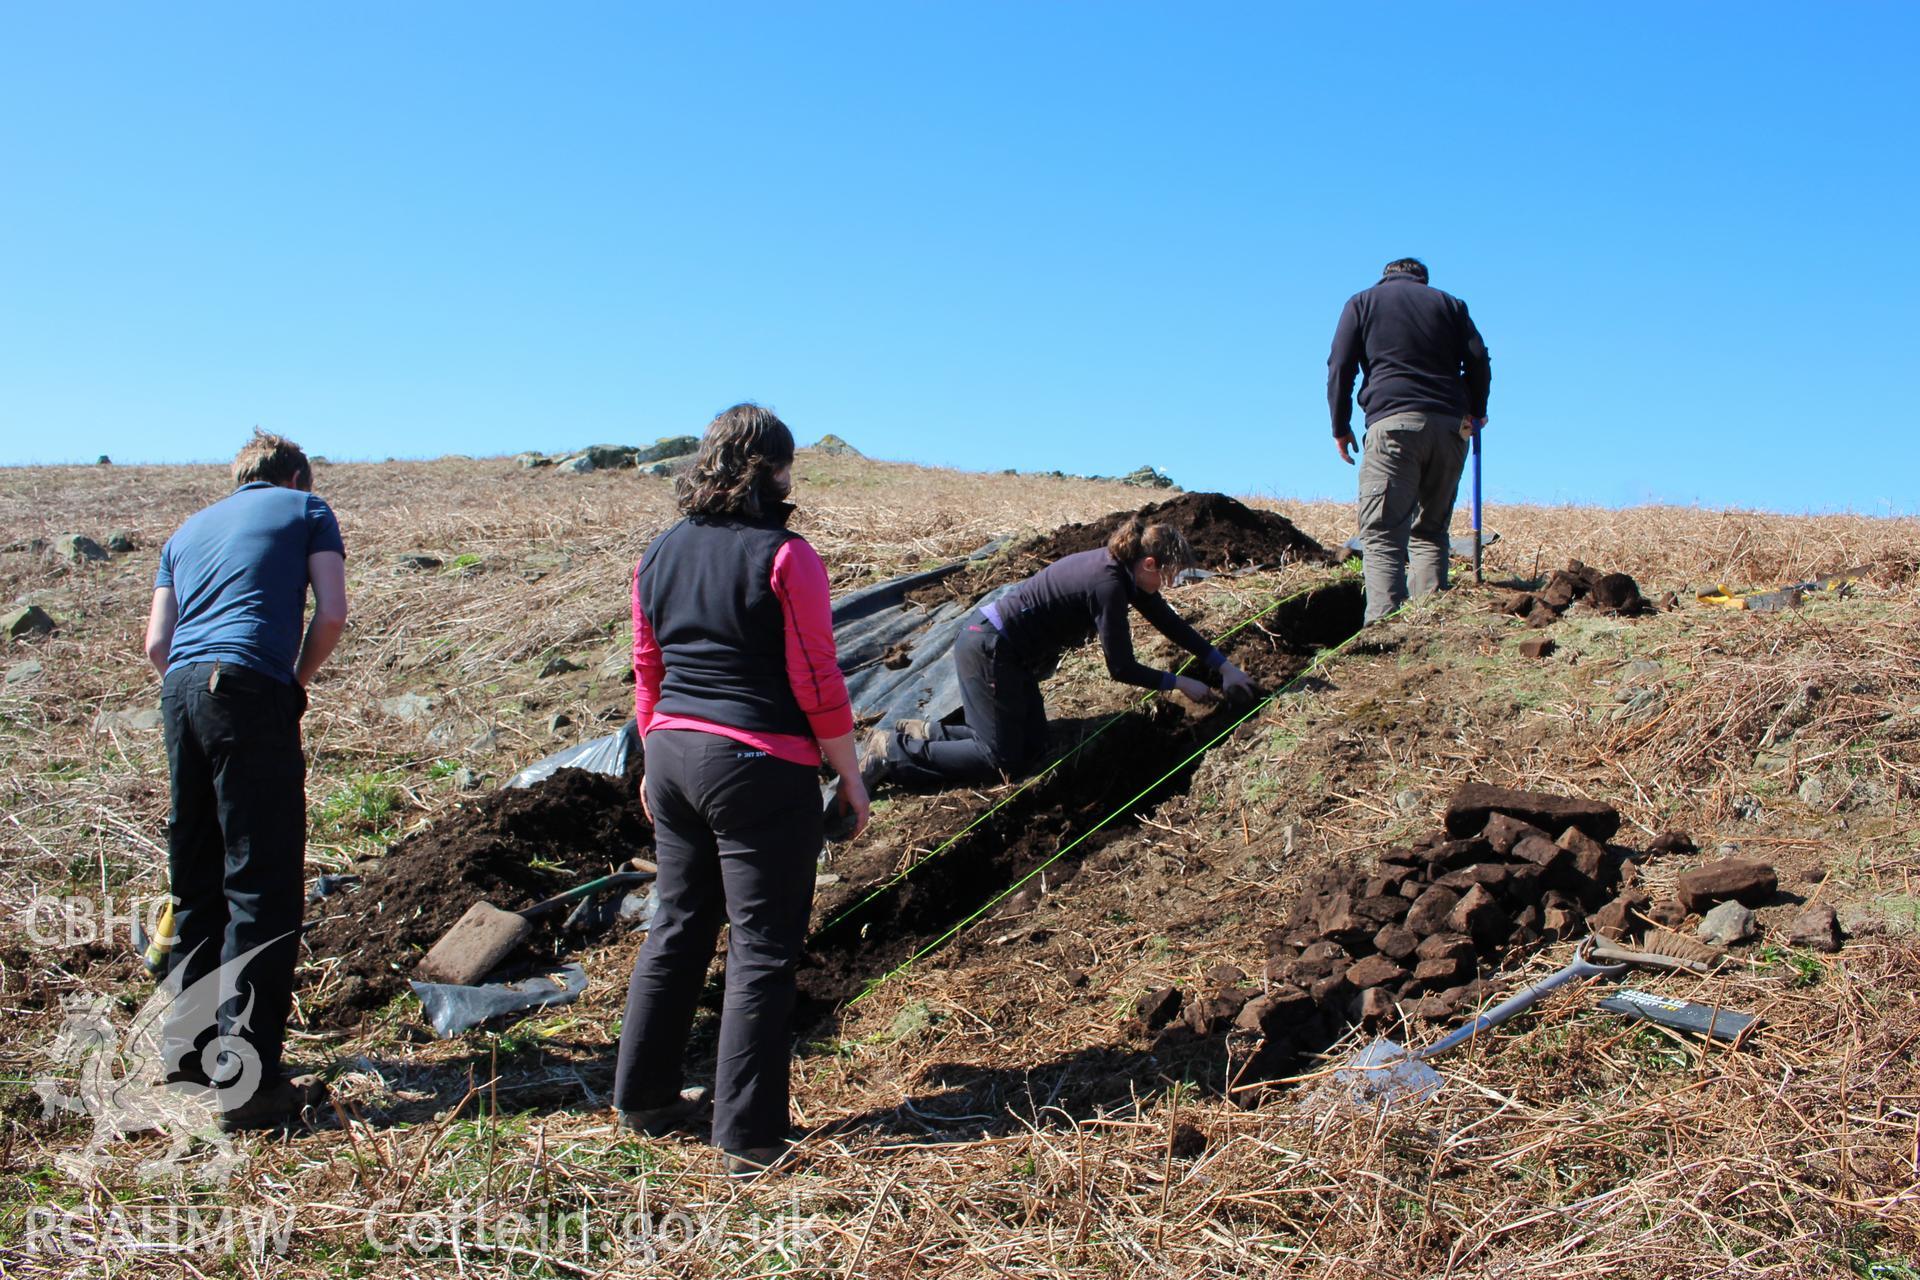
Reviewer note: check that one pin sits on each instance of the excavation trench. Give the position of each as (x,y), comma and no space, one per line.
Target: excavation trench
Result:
(1137,761)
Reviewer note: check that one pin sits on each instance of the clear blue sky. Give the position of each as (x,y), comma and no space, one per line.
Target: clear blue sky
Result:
(1045,235)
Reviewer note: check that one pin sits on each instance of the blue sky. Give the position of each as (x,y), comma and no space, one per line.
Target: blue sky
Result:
(1047,235)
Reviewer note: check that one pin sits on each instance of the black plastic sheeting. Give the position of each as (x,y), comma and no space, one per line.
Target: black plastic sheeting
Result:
(867,625)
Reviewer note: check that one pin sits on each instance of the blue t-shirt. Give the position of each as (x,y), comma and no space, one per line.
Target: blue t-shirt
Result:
(238,570)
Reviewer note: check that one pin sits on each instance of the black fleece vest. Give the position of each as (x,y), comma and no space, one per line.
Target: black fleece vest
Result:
(706,589)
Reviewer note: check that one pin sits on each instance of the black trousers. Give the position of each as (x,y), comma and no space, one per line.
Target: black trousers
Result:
(1006,719)
(236,851)
(737,836)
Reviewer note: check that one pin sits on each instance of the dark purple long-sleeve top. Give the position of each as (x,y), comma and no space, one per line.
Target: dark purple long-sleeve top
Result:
(1085,594)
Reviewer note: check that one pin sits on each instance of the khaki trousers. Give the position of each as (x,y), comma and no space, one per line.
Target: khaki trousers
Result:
(1409,474)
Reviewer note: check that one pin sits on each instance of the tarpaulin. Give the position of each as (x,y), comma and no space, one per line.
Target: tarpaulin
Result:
(869,625)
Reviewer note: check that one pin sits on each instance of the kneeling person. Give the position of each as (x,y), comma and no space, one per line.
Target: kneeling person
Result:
(1013,643)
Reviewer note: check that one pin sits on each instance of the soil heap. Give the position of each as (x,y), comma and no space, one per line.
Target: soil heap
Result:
(512,848)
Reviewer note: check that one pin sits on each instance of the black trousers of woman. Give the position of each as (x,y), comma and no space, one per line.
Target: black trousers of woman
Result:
(1006,719)
(737,836)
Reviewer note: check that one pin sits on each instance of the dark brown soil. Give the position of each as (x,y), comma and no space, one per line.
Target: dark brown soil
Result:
(1225,535)
(512,848)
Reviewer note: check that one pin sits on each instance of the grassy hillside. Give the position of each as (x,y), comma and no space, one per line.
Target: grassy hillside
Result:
(979,1095)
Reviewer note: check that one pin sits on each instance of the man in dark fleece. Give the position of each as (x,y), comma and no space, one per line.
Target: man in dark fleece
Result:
(1016,641)
(1424,394)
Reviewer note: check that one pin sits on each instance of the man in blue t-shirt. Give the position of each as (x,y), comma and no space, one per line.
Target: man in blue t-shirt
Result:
(226,636)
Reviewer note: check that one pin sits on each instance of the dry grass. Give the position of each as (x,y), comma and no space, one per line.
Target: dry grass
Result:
(979,1115)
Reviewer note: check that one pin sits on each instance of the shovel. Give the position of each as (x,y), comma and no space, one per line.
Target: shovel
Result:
(1386,1073)
(482,937)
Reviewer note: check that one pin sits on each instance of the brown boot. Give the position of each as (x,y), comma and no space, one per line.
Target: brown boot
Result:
(657,1122)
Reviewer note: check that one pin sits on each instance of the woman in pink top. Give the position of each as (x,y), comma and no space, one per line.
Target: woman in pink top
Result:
(738,694)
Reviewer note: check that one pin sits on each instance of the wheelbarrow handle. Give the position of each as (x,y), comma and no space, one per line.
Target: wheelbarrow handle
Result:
(1578,968)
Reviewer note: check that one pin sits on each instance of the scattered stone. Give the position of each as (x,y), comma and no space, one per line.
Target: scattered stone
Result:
(833,444)
(23,673)
(1226,975)
(1517,603)
(1146,478)
(78,548)
(577,465)
(1741,879)
(529,461)
(465,779)
(666,467)
(418,560)
(27,620)
(1072,977)
(1283,1009)
(617,665)
(143,720)
(1728,923)
(1437,973)
(1620,919)
(1817,927)
(103,461)
(120,541)
(557,721)
(668,447)
(1542,615)
(488,740)
(1407,801)
(557,666)
(1813,791)
(1616,593)
(1668,914)
(1537,646)
(1446,945)
(1157,1008)
(1474,802)
(408,707)
(1672,842)
(1213,1014)
(1559,923)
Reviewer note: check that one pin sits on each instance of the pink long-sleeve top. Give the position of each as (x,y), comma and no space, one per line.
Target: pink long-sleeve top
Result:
(799,581)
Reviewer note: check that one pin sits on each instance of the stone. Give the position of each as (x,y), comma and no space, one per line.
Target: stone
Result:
(1588,870)
(103,461)
(1491,875)
(557,721)
(1332,991)
(1619,919)
(1281,1011)
(1728,923)
(487,740)
(465,779)
(1559,592)
(418,560)
(1375,971)
(1440,972)
(1668,914)
(1542,614)
(78,548)
(610,457)
(1543,853)
(617,665)
(1503,832)
(1407,801)
(1616,593)
(1816,927)
(1395,943)
(1428,1009)
(1447,854)
(666,467)
(1453,945)
(1319,960)
(1479,915)
(1158,1007)
(1430,910)
(1517,603)
(1213,1014)
(1537,647)
(140,720)
(120,541)
(408,707)
(667,447)
(529,461)
(833,444)
(1226,975)
(557,666)
(1813,791)
(1147,477)
(1474,802)
(1670,842)
(1558,924)
(1742,879)
(23,673)
(1376,1006)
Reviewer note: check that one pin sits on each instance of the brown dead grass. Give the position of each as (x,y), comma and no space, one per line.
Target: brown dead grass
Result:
(978,1115)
